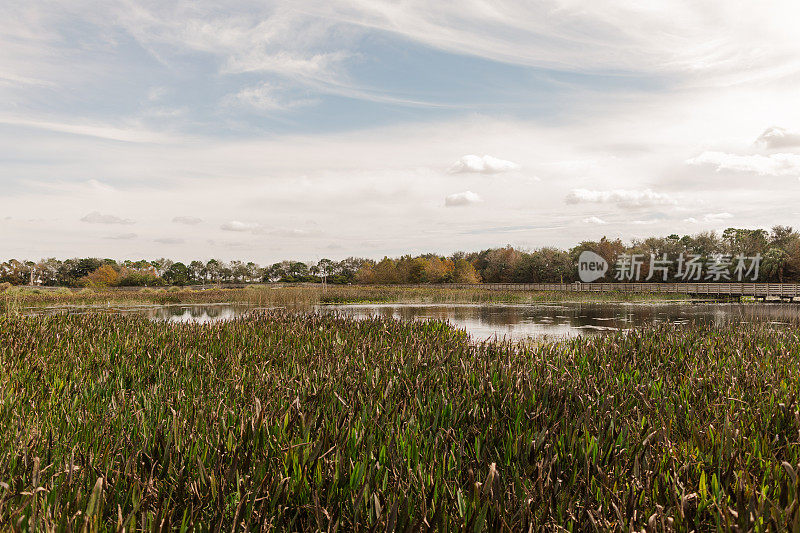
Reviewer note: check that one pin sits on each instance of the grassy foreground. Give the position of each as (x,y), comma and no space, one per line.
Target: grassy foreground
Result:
(291,422)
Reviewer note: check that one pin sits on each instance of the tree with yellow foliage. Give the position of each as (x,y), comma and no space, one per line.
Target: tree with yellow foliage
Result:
(464,272)
(104,276)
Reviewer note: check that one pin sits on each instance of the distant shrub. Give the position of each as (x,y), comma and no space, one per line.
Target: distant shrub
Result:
(139,279)
(22,290)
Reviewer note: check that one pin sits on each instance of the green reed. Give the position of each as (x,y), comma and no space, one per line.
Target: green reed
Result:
(304,297)
(311,422)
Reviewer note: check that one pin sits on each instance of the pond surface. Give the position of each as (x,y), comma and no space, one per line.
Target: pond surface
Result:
(501,321)
(517,322)
(178,313)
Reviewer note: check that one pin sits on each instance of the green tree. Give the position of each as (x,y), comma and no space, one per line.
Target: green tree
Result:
(547,265)
(464,272)
(774,264)
(385,271)
(197,271)
(177,274)
(501,265)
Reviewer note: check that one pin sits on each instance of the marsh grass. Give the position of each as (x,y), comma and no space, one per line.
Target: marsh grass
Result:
(304,298)
(318,422)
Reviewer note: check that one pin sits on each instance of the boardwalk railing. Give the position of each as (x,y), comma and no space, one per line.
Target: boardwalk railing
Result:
(759,290)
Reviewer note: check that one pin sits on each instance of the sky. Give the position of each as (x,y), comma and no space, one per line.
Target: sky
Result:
(306,129)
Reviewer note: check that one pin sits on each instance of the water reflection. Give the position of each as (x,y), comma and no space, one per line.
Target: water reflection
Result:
(517,322)
(501,321)
(176,314)
(197,314)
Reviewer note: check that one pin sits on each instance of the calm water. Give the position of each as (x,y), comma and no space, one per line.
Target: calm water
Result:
(516,322)
(183,313)
(513,322)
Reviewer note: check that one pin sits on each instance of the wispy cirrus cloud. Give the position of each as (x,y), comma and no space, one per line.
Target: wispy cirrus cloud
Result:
(698,40)
(250,38)
(133,133)
(390,117)
(268,97)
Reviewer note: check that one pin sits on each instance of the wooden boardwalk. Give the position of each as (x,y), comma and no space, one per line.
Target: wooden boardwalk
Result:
(785,291)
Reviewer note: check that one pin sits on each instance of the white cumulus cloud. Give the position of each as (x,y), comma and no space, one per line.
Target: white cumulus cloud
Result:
(709,217)
(594,220)
(620,197)
(121,236)
(293,232)
(236,225)
(763,165)
(482,165)
(95,217)
(189,221)
(461,199)
(779,138)
(713,217)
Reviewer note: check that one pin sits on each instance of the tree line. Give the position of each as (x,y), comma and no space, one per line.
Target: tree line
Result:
(778,250)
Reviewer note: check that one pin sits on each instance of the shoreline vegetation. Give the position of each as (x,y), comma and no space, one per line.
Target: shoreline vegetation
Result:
(305,297)
(303,422)
(734,255)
